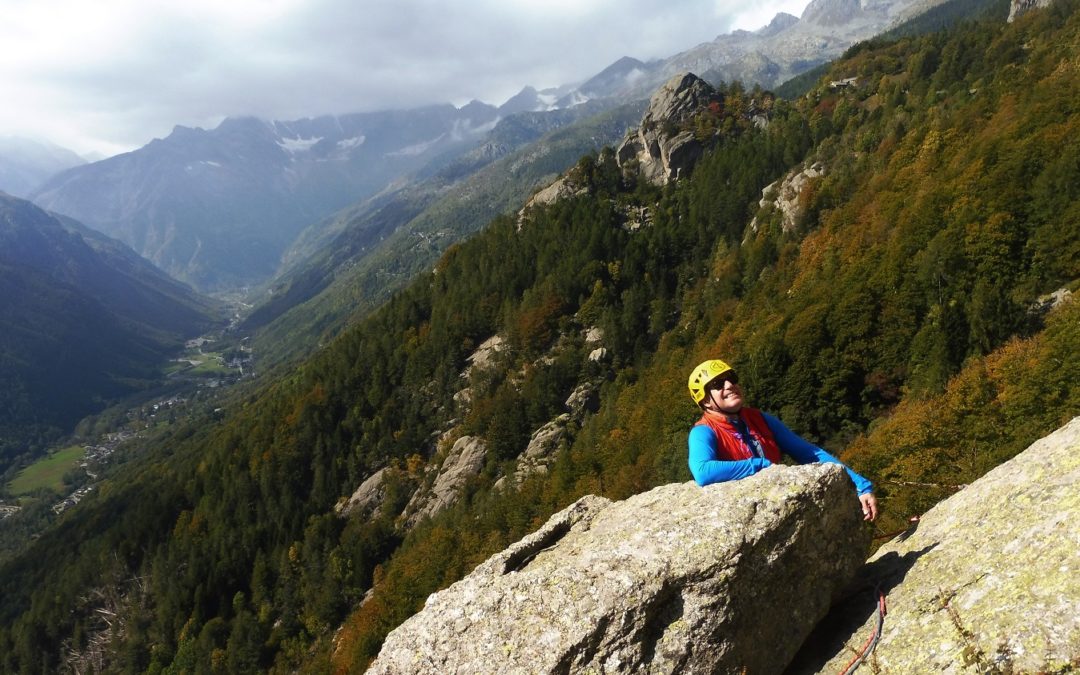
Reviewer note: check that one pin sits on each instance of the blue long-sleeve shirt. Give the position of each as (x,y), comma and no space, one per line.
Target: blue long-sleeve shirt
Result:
(707,469)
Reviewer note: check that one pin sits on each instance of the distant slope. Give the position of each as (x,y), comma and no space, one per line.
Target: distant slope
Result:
(384,242)
(84,320)
(938,17)
(438,177)
(217,208)
(25,164)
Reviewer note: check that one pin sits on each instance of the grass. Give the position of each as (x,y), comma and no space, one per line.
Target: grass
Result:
(47,472)
(209,365)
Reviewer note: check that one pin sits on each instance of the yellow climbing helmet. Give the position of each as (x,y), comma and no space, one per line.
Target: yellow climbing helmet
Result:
(705,373)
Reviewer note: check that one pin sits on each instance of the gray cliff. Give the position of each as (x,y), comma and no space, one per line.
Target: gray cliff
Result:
(1018,8)
(661,150)
(679,579)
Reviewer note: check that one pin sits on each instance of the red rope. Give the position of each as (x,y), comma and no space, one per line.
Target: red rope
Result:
(868,647)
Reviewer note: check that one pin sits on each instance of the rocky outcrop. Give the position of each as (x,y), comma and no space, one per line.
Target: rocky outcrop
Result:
(484,355)
(584,398)
(598,355)
(677,579)
(553,436)
(464,461)
(988,582)
(562,188)
(1020,7)
(543,444)
(785,195)
(661,149)
(482,358)
(1051,301)
(367,498)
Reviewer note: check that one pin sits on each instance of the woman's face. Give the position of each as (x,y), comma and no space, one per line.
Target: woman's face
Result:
(723,395)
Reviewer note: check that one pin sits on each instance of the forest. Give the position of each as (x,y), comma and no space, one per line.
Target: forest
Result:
(899,321)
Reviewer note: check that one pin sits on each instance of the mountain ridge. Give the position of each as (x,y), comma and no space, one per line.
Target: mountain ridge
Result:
(200,202)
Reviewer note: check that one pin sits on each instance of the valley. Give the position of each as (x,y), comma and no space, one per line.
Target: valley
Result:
(194,382)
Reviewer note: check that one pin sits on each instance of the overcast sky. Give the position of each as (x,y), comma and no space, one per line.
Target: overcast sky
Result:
(106,76)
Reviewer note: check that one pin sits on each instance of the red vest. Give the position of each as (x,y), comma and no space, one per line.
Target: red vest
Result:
(729,443)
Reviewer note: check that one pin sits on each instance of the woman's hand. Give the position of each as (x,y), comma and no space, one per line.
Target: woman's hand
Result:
(869,506)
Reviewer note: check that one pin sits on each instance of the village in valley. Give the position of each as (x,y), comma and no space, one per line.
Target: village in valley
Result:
(94,459)
(72,471)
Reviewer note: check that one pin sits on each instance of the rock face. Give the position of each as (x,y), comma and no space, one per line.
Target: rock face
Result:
(368,497)
(484,355)
(989,581)
(679,579)
(563,188)
(1021,7)
(546,441)
(482,358)
(785,196)
(664,152)
(540,452)
(465,460)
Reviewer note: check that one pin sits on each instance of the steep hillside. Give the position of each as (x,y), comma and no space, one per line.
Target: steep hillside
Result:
(878,237)
(84,319)
(891,273)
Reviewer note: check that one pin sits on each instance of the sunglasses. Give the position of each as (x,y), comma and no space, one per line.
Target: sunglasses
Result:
(719,383)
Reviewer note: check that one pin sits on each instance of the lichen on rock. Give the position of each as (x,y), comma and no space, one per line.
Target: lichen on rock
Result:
(679,579)
(988,580)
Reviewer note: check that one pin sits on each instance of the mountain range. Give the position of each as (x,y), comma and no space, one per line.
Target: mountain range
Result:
(371,250)
(219,208)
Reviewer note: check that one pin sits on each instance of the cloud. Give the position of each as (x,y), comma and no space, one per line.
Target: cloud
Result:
(111,75)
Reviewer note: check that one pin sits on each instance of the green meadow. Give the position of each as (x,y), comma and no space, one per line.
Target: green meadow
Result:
(47,472)
(200,364)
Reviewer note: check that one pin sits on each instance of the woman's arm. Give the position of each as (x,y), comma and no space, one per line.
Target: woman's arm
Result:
(805,452)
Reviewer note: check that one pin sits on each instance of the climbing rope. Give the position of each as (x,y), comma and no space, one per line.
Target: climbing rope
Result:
(861,655)
(913,520)
(947,486)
